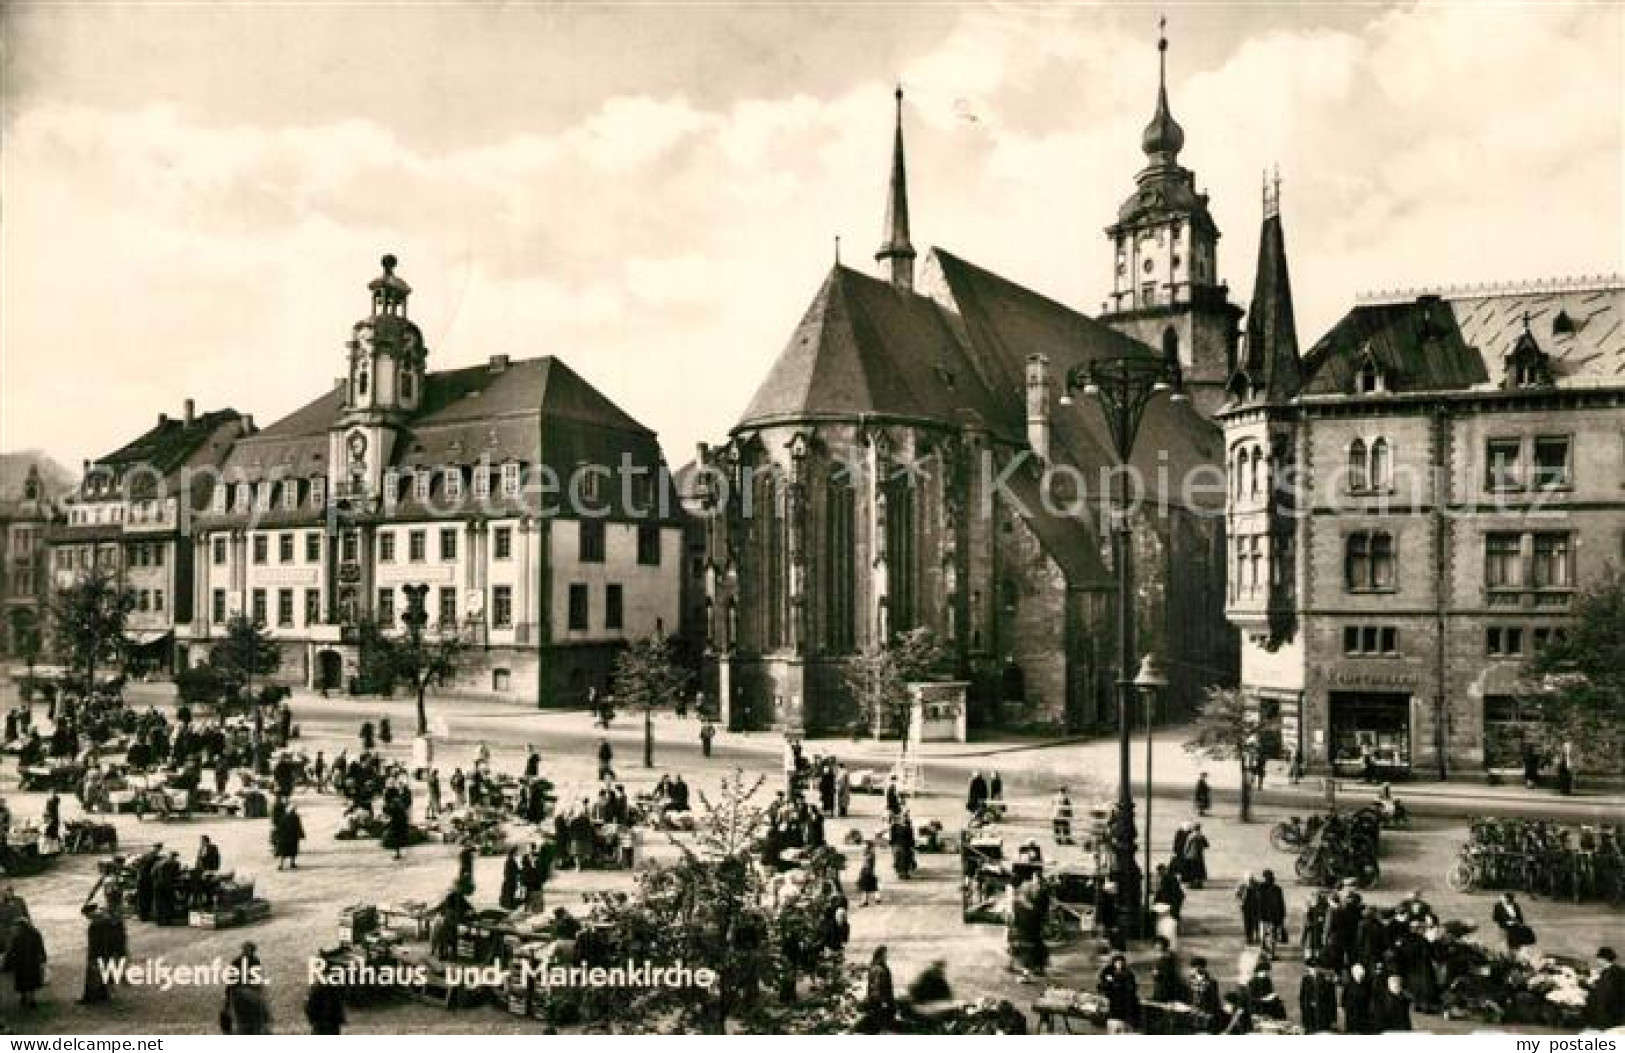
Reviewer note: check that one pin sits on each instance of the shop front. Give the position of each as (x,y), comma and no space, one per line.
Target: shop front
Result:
(1374,725)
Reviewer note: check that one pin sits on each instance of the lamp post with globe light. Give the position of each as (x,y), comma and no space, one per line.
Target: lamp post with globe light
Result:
(1125,386)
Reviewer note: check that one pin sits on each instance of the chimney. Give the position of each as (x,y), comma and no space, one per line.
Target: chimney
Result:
(163,418)
(338,382)
(1038,422)
(499,363)
(191,412)
(248,424)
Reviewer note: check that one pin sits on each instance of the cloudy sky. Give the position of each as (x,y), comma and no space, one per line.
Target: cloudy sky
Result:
(195,196)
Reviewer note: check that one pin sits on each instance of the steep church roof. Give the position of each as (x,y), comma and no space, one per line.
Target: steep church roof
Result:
(865,348)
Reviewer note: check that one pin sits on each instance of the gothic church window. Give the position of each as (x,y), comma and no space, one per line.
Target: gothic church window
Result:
(840,565)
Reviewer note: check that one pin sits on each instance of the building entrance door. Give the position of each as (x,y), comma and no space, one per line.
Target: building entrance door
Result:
(1371,724)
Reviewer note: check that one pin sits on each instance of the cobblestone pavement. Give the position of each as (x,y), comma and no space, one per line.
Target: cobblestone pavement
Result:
(919,920)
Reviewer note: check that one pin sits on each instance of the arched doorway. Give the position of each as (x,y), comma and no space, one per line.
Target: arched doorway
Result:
(329,670)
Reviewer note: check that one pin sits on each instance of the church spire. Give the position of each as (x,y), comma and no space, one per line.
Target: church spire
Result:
(1274,369)
(1163,137)
(896,254)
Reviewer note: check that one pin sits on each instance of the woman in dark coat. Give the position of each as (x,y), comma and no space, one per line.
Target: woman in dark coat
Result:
(1357,1002)
(1271,907)
(868,880)
(512,873)
(289,832)
(26,959)
(465,871)
(397,827)
(1393,1008)
(879,998)
(1247,903)
(1118,985)
(1194,861)
(107,945)
(324,1008)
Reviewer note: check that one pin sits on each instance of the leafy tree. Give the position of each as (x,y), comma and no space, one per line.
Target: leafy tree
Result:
(1580,674)
(648,673)
(88,619)
(199,685)
(879,675)
(716,909)
(375,658)
(419,658)
(27,641)
(1229,727)
(246,651)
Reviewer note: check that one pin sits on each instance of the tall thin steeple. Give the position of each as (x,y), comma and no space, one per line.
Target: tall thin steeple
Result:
(1163,137)
(896,255)
(1274,368)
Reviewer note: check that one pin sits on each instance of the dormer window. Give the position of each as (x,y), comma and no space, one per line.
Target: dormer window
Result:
(1563,325)
(510,479)
(422,484)
(219,503)
(1527,366)
(454,484)
(318,492)
(290,494)
(1369,378)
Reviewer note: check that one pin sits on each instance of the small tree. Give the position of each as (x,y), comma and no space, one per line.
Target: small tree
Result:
(26,639)
(1228,727)
(715,909)
(878,679)
(375,658)
(88,619)
(648,673)
(419,658)
(1580,674)
(246,651)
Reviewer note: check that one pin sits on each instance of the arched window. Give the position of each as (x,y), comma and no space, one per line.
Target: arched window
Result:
(361,383)
(1359,464)
(1240,472)
(1378,476)
(901,548)
(1257,476)
(840,564)
(1170,345)
(770,553)
(406,385)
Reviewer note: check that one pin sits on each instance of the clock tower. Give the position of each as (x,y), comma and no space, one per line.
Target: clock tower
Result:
(1166,290)
(383,388)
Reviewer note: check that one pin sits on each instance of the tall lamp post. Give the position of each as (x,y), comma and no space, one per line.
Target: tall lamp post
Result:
(1150,683)
(1125,385)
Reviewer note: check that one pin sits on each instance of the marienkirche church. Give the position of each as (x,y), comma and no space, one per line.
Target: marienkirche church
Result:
(907,422)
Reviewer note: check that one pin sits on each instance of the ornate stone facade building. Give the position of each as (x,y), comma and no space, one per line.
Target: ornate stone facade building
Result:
(1413,504)
(131,515)
(909,461)
(536,512)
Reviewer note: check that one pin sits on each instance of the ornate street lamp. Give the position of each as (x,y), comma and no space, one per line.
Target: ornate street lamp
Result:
(1149,682)
(1125,385)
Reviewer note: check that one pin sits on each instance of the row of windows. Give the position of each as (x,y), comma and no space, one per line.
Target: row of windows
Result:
(1509,641)
(1540,463)
(1512,560)
(147,555)
(592,545)
(1368,640)
(580,603)
(150,600)
(1535,560)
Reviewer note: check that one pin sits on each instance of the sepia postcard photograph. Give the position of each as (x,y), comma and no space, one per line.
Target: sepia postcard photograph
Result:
(839,518)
